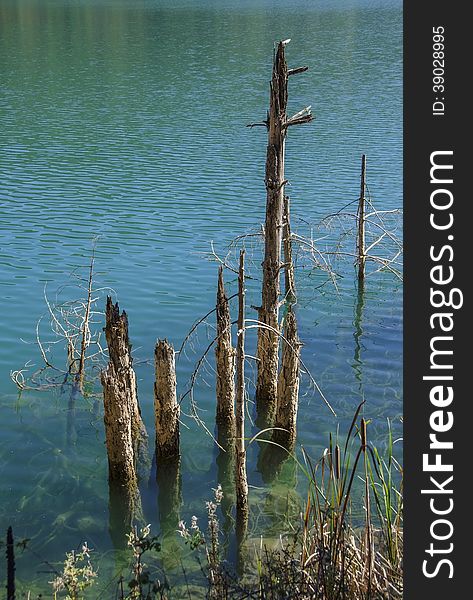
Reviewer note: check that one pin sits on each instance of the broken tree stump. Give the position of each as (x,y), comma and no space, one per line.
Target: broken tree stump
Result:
(120,373)
(361,223)
(225,362)
(288,384)
(166,407)
(268,334)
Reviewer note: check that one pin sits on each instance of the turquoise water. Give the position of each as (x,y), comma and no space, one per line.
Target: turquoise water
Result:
(126,121)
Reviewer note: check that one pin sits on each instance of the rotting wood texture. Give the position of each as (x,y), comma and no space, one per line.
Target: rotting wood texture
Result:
(120,400)
(166,407)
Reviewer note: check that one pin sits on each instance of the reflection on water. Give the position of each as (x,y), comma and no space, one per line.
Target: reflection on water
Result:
(127,120)
(358,333)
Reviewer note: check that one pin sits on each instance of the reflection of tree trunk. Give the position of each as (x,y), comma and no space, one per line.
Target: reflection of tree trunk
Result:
(71,434)
(358,333)
(168,477)
(124,510)
(271,458)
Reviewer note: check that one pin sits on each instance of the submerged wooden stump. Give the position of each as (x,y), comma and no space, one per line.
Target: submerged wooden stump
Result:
(118,428)
(166,408)
(288,384)
(125,434)
(119,350)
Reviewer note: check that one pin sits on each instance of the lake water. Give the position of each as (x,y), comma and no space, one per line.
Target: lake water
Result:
(126,121)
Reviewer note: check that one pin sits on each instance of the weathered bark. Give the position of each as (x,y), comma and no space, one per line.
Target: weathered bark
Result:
(268,339)
(288,384)
(119,351)
(166,408)
(118,426)
(240,452)
(361,222)
(268,314)
(225,362)
(289,279)
(125,434)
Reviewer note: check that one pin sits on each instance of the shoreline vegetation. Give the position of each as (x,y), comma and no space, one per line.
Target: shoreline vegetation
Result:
(326,553)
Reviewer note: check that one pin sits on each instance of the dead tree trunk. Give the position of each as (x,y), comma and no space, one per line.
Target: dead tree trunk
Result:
(225,362)
(119,387)
(288,384)
(289,279)
(268,335)
(166,408)
(361,223)
(120,369)
(240,470)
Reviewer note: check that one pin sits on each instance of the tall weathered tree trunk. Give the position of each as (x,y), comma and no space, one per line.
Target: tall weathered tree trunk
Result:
(120,369)
(288,384)
(240,470)
(166,408)
(361,223)
(225,361)
(268,339)
(268,335)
